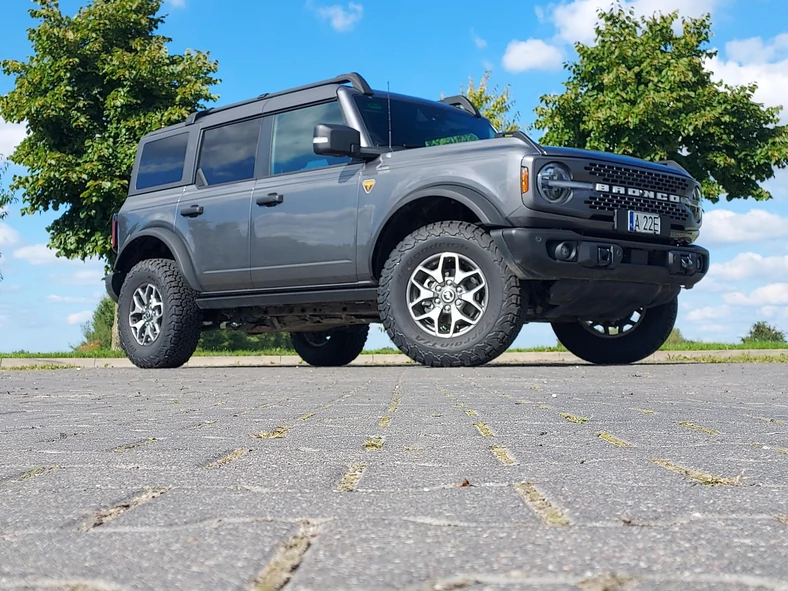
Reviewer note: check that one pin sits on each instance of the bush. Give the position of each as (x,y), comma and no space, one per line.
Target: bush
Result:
(763,332)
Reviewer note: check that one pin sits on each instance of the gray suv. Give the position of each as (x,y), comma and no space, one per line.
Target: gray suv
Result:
(321,209)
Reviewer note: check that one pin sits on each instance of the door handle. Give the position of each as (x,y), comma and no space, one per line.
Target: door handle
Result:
(271,199)
(192,211)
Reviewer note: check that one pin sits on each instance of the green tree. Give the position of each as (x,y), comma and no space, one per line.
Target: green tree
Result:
(676,338)
(231,340)
(93,86)
(3,210)
(495,106)
(643,90)
(97,332)
(763,332)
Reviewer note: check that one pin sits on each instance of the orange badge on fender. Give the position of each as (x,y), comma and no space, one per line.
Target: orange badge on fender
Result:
(368,185)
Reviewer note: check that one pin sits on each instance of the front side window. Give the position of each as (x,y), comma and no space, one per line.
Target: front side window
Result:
(228,153)
(418,124)
(162,161)
(292,149)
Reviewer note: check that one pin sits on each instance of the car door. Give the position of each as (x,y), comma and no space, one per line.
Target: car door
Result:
(304,211)
(213,214)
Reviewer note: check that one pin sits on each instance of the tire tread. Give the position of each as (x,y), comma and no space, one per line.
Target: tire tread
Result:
(507,326)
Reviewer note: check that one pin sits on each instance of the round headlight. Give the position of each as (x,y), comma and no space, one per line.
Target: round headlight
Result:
(552,182)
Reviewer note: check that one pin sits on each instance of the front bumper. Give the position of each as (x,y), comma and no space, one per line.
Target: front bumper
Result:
(543,254)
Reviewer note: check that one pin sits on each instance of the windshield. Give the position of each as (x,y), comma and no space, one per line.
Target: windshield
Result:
(416,124)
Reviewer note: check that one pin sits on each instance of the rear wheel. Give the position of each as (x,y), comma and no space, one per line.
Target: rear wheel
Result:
(447,298)
(619,342)
(158,319)
(331,348)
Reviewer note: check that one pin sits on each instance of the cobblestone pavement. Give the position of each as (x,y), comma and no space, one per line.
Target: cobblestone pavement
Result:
(532,477)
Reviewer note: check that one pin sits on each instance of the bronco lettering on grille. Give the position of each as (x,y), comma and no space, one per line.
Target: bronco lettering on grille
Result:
(632,192)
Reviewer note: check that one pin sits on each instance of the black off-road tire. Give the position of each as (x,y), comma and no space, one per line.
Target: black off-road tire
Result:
(497,327)
(181,320)
(337,347)
(643,340)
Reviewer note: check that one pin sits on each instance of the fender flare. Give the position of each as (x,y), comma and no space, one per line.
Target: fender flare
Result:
(175,245)
(478,203)
(481,206)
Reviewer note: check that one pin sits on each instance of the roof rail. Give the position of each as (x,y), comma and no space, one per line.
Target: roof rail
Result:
(463,103)
(356,80)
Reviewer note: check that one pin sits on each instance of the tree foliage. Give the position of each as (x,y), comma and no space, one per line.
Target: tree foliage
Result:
(97,332)
(676,338)
(3,210)
(642,89)
(93,86)
(231,340)
(763,332)
(495,106)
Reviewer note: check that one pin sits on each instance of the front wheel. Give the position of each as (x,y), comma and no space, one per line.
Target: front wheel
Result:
(331,348)
(622,341)
(447,298)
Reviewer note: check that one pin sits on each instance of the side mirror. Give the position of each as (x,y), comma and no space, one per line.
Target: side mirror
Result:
(335,140)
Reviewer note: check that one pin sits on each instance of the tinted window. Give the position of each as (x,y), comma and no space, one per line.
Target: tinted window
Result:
(293,131)
(419,124)
(162,161)
(228,153)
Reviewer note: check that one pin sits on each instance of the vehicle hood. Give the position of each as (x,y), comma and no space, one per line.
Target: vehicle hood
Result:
(610,157)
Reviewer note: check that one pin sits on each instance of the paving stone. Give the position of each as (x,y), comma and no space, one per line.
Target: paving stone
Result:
(396,477)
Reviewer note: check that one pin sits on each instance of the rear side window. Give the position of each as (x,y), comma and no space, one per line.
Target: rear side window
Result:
(228,153)
(162,161)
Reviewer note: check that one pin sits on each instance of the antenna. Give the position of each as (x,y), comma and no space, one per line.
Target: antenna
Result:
(388,96)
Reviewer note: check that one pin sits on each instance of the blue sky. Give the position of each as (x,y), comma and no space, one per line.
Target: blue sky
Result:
(425,48)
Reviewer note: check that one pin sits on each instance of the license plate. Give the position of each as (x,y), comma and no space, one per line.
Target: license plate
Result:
(644,223)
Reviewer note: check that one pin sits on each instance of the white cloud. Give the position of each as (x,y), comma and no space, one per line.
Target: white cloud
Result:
(773,294)
(341,19)
(8,236)
(10,136)
(749,265)
(755,60)
(722,226)
(772,80)
(41,254)
(717,328)
(779,312)
(58,299)
(709,313)
(36,254)
(711,285)
(533,54)
(478,41)
(754,50)
(575,21)
(79,317)
(84,277)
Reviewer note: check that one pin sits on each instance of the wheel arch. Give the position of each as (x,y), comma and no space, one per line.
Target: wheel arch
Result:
(157,243)
(437,203)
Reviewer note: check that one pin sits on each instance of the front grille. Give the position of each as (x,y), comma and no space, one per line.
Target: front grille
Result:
(639,179)
(644,204)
